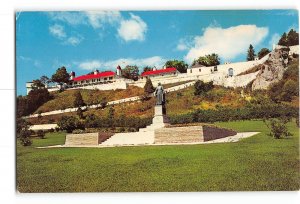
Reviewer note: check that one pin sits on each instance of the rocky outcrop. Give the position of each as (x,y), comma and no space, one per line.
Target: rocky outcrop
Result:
(272,70)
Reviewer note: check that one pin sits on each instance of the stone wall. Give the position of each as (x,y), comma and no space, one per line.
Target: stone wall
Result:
(178,135)
(190,134)
(86,139)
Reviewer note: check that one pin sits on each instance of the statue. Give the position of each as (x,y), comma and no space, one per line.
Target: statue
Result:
(160,95)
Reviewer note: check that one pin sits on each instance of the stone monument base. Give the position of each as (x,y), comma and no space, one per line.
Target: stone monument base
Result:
(159,120)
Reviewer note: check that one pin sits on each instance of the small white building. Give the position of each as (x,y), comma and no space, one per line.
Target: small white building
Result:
(171,71)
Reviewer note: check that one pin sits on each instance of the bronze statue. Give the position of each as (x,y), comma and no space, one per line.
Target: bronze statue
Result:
(160,95)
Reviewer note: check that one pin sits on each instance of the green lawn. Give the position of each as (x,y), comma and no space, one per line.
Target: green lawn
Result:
(256,163)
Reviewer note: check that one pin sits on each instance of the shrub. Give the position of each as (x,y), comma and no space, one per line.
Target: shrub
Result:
(24,137)
(201,87)
(290,89)
(278,128)
(92,121)
(41,134)
(69,123)
(148,88)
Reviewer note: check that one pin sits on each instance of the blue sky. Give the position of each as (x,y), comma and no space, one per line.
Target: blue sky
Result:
(84,41)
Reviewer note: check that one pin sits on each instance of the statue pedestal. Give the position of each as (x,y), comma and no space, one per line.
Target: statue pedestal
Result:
(159,120)
(159,115)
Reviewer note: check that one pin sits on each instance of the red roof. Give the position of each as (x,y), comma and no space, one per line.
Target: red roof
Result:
(94,76)
(160,71)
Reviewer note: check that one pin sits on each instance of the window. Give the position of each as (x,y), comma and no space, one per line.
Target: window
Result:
(105,78)
(215,68)
(191,71)
(110,78)
(230,72)
(199,70)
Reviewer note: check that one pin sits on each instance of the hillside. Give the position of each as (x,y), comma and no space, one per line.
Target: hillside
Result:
(272,70)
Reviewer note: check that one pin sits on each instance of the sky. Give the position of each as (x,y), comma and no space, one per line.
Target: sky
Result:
(88,40)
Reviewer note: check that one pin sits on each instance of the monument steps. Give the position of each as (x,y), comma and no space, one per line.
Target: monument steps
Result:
(132,138)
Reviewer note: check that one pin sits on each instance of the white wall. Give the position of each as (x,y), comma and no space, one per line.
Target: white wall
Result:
(238,68)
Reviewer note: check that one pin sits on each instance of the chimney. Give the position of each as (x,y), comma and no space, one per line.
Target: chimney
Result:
(72,75)
(96,72)
(119,71)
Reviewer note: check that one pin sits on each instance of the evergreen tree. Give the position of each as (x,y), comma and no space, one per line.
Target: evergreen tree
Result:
(111,116)
(148,88)
(283,40)
(263,52)
(78,101)
(251,53)
(292,38)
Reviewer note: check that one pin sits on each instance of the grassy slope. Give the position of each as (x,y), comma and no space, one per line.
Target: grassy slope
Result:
(178,102)
(256,163)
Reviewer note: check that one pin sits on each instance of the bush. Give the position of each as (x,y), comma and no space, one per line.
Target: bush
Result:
(290,89)
(250,111)
(24,137)
(69,123)
(201,87)
(278,128)
(92,121)
(41,134)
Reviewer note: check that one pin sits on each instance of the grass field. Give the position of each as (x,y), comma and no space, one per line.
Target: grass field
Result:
(256,163)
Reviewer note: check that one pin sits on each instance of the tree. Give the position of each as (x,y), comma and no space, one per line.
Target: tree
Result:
(292,38)
(36,98)
(148,88)
(200,87)
(263,52)
(103,103)
(78,101)
(80,113)
(283,40)
(37,84)
(45,80)
(131,72)
(147,68)
(22,106)
(181,66)
(111,116)
(61,76)
(69,123)
(23,132)
(208,60)
(251,53)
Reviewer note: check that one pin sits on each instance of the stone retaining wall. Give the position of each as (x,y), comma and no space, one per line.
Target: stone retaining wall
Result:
(82,139)
(190,134)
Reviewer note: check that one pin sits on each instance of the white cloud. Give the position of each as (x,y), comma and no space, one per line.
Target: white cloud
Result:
(98,18)
(226,42)
(72,18)
(132,29)
(111,65)
(57,31)
(90,65)
(274,40)
(185,43)
(73,40)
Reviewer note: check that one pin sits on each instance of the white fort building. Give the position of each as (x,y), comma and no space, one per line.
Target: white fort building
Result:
(225,74)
